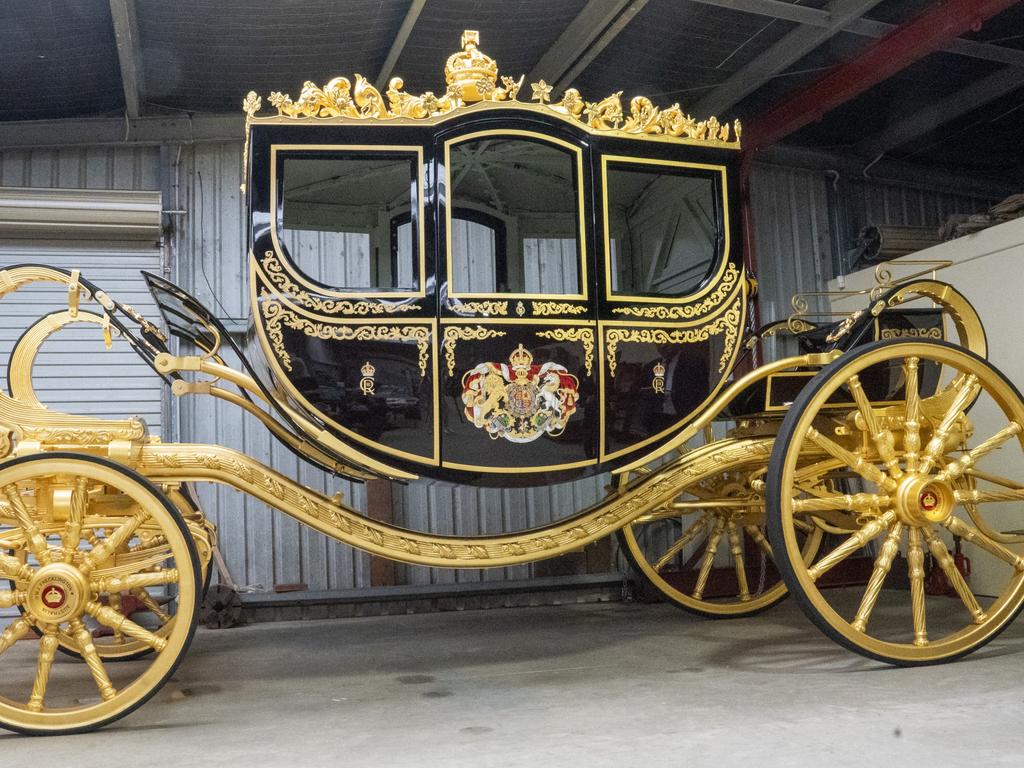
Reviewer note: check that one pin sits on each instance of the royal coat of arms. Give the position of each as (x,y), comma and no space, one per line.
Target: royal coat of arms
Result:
(518,400)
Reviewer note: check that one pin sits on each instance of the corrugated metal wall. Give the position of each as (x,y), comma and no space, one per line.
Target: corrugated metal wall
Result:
(795,248)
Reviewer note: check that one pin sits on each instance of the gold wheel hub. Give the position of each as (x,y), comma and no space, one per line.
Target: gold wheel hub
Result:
(922,500)
(57,592)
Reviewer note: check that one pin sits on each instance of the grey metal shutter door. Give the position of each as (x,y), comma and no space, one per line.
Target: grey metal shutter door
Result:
(75,372)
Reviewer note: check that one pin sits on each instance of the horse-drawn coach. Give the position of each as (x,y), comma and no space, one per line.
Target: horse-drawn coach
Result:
(494,286)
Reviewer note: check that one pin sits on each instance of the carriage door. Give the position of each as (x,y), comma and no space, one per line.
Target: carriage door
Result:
(518,362)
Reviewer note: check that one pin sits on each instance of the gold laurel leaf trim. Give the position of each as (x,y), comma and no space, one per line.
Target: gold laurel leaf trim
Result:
(277,316)
(471,76)
(720,294)
(278,277)
(454,333)
(584,336)
(728,323)
(542,308)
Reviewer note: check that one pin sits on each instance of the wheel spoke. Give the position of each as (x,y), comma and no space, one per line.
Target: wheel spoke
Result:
(882,438)
(709,559)
(858,464)
(982,497)
(912,424)
(883,563)
(11,597)
(937,445)
(688,535)
(72,535)
(736,550)
(969,533)
(83,637)
(855,542)
(33,537)
(14,632)
(857,502)
(136,581)
(151,605)
(114,541)
(759,538)
(915,570)
(120,623)
(47,650)
(953,575)
(956,468)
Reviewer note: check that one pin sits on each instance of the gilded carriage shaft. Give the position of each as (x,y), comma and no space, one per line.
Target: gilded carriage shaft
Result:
(498,285)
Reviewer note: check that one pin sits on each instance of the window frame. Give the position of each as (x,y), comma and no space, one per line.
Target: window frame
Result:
(278,154)
(721,259)
(449,206)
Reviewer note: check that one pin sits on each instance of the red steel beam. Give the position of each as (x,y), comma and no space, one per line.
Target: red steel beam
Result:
(907,43)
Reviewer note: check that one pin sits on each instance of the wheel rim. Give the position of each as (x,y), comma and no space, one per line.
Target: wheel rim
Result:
(74,516)
(919,464)
(676,547)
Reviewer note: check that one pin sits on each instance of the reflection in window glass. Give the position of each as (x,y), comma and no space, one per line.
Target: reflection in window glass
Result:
(663,230)
(514,218)
(346,220)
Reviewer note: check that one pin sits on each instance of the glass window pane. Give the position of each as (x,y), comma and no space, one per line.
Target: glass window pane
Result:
(346,219)
(515,223)
(663,230)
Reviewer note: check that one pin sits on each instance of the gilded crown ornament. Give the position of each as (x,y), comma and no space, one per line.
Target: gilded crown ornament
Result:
(368,369)
(520,358)
(472,80)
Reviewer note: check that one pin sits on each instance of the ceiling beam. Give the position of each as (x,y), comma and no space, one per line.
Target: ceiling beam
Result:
(943,111)
(398,44)
(910,42)
(776,9)
(115,131)
(585,37)
(793,46)
(126,33)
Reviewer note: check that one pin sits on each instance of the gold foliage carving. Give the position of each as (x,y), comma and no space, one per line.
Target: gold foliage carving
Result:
(483,307)
(452,335)
(280,280)
(911,333)
(472,76)
(542,308)
(277,316)
(584,336)
(728,323)
(713,300)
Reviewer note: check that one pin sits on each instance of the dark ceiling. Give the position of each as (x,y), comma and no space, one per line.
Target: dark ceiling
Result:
(199,56)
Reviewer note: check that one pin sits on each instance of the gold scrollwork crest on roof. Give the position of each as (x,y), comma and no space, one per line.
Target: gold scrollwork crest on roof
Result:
(278,317)
(717,296)
(471,76)
(728,323)
(278,277)
(454,333)
(584,336)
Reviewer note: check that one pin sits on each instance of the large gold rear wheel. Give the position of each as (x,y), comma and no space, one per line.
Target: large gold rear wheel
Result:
(935,463)
(86,533)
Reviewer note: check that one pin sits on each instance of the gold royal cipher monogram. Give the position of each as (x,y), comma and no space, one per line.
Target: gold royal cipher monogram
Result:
(366,384)
(519,401)
(658,383)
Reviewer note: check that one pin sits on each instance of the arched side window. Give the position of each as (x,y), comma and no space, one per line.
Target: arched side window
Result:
(664,227)
(514,206)
(349,219)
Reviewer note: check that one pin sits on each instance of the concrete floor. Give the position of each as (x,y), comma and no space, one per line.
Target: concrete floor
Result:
(580,685)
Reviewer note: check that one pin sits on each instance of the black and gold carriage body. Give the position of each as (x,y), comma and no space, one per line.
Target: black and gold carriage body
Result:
(505,216)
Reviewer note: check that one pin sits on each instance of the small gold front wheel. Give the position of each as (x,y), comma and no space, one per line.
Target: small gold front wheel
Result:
(85,534)
(925,441)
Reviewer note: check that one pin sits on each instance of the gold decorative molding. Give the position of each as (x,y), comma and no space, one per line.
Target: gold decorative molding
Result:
(728,323)
(472,77)
(716,297)
(584,336)
(542,308)
(275,272)
(277,316)
(911,333)
(454,333)
(483,307)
